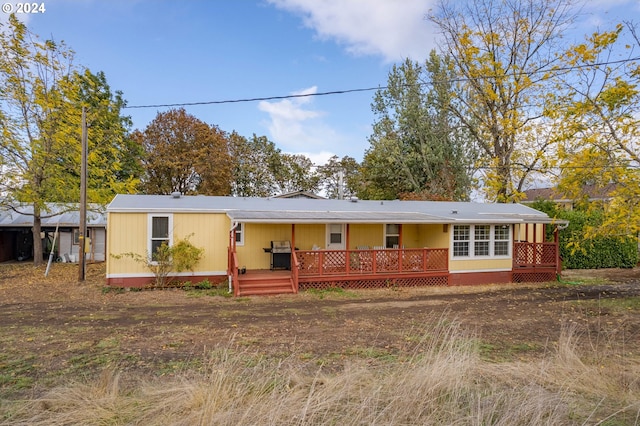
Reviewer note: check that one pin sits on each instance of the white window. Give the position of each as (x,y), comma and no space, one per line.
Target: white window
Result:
(392,236)
(501,240)
(240,234)
(481,240)
(335,233)
(160,232)
(461,237)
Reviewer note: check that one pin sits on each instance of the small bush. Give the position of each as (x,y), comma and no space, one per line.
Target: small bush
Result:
(181,256)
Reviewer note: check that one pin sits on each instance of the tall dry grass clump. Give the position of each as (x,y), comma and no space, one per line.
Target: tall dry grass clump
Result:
(444,381)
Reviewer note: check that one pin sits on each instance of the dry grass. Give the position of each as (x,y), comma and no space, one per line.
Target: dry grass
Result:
(444,381)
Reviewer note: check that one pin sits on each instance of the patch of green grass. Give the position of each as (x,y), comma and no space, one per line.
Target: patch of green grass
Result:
(211,292)
(108,343)
(505,352)
(16,373)
(179,366)
(371,353)
(112,290)
(584,281)
(331,291)
(622,305)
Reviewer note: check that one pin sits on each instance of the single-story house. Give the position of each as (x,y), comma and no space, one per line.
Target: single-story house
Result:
(287,244)
(16,236)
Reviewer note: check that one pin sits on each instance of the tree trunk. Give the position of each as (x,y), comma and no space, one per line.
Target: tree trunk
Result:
(37,241)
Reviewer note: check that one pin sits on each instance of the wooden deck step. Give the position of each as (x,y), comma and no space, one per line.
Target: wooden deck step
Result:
(265,284)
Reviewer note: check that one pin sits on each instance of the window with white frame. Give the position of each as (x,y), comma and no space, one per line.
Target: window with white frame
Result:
(160,232)
(335,233)
(392,235)
(240,234)
(481,240)
(461,239)
(501,240)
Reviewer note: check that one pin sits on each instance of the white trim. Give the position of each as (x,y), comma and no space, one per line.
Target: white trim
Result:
(176,274)
(468,271)
(150,217)
(385,235)
(343,236)
(472,241)
(243,229)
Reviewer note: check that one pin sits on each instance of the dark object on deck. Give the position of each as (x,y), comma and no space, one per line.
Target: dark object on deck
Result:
(280,254)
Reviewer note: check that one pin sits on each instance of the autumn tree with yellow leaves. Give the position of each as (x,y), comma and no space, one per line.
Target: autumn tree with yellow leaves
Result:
(598,107)
(41,98)
(504,54)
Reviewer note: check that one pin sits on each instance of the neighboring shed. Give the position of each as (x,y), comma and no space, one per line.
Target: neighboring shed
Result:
(347,243)
(16,238)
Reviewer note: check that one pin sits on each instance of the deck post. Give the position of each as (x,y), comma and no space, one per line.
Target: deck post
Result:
(293,244)
(556,240)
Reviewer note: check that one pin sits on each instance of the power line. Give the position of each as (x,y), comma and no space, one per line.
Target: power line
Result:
(266,98)
(365,89)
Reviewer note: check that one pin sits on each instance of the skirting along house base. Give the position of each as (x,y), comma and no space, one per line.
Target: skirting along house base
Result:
(280,245)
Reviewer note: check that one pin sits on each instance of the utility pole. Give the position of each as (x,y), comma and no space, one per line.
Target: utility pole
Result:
(83,200)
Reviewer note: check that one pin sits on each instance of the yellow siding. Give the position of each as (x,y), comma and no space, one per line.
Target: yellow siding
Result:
(128,233)
(258,236)
(308,235)
(208,231)
(526,233)
(433,236)
(479,264)
(365,235)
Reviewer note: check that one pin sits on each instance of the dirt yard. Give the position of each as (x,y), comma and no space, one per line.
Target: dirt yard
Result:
(54,328)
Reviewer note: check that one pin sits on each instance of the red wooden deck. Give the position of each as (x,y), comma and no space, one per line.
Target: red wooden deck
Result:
(382,267)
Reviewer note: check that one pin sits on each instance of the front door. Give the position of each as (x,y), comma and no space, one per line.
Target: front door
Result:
(336,236)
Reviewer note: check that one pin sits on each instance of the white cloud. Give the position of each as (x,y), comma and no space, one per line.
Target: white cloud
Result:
(394,29)
(297,128)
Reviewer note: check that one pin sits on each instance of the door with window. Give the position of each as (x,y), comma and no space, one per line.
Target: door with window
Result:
(336,236)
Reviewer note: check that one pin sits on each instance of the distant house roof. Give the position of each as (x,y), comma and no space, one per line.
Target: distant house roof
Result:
(592,192)
(299,210)
(22,216)
(300,194)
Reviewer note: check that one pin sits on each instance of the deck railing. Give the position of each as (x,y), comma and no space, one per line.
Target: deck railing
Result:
(295,267)
(535,255)
(371,261)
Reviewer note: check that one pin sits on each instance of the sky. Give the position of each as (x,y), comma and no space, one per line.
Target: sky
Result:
(159,52)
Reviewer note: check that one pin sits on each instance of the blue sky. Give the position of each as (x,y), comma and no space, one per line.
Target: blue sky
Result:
(183,51)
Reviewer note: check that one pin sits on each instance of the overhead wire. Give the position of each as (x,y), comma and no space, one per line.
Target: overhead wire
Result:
(364,89)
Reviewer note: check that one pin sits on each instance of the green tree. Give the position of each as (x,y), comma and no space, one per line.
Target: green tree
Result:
(340,177)
(184,154)
(113,156)
(504,53)
(253,162)
(41,100)
(260,169)
(294,172)
(417,149)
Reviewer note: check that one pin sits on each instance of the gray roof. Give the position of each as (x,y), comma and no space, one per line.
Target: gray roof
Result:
(298,210)
(96,216)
